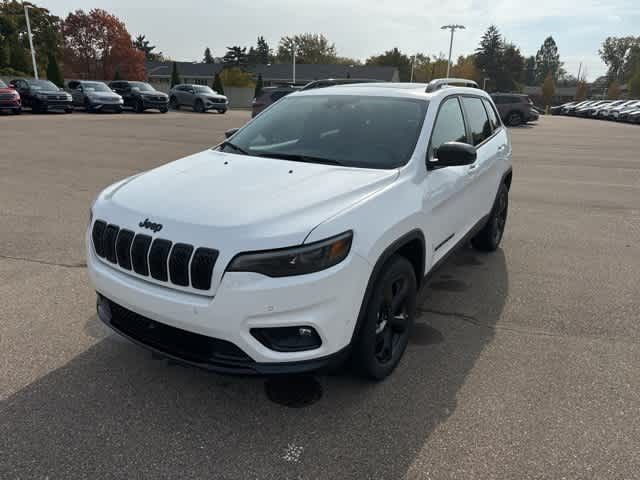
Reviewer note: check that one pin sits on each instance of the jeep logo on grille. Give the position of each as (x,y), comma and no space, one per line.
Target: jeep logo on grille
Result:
(155,227)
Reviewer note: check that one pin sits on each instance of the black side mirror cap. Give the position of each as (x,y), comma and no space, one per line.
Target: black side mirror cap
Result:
(231,132)
(453,154)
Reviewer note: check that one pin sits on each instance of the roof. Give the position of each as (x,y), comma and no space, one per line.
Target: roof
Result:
(185,69)
(406,90)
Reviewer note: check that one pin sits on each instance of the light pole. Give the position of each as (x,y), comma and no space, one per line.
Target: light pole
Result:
(453,28)
(413,61)
(294,63)
(33,53)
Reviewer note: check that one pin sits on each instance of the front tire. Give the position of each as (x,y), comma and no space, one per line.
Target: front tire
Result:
(388,318)
(17,111)
(488,239)
(164,110)
(198,106)
(139,108)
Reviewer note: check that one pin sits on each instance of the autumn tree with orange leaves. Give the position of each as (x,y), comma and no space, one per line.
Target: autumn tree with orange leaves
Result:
(97,45)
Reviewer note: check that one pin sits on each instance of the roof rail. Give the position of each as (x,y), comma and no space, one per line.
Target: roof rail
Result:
(438,83)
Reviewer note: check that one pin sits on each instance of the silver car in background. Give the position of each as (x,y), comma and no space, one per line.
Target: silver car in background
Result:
(95,96)
(199,97)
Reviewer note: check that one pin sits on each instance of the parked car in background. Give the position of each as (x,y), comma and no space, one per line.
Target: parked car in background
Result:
(9,99)
(602,111)
(42,95)
(140,96)
(515,109)
(199,97)
(559,109)
(623,114)
(330,82)
(95,96)
(610,112)
(572,109)
(268,96)
(634,117)
(588,110)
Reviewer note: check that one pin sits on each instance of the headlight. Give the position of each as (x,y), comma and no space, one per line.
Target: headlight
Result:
(296,260)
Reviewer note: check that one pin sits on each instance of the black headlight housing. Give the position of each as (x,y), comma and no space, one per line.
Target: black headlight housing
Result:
(300,260)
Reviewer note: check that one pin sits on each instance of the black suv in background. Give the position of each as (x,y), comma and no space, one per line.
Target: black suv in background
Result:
(42,95)
(330,82)
(268,96)
(515,109)
(140,96)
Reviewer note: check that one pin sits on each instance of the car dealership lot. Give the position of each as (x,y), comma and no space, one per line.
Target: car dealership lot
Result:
(523,364)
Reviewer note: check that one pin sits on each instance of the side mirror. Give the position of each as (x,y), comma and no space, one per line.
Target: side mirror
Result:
(453,154)
(231,132)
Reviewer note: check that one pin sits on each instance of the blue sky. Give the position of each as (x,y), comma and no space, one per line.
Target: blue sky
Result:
(360,28)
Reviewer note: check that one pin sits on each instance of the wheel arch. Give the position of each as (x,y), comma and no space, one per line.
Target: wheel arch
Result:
(412,246)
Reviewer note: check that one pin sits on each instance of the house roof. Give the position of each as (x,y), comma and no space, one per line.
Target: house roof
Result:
(277,71)
(185,69)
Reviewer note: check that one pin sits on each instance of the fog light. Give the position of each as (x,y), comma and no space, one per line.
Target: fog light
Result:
(288,339)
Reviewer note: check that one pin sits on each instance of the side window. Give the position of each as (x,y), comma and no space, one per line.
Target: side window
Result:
(499,100)
(477,118)
(275,96)
(449,126)
(493,117)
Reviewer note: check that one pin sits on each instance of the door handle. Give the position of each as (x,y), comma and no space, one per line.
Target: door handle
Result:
(472,169)
(502,148)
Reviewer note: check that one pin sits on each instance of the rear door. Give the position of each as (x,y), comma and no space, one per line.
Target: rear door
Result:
(482,175)
(444,190)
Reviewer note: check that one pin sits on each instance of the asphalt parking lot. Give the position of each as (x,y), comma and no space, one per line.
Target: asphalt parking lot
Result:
(524,363)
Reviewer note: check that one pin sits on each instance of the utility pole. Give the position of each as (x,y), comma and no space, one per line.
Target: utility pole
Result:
(33,53)
(413,61)
(294,63)
(579,71)
(453,28)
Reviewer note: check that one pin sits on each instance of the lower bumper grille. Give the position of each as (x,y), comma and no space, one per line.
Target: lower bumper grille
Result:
(189,346)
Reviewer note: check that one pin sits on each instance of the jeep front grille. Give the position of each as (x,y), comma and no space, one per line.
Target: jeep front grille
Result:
(158,258)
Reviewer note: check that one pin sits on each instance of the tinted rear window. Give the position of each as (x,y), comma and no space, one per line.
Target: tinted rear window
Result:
(477,119)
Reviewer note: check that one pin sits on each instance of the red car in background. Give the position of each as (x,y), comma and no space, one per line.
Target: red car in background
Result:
(9,99)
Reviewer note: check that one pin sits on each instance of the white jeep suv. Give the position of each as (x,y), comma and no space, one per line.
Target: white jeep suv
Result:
(304,237)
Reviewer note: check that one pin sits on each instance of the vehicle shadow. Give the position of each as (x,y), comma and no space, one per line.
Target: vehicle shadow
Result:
(114,412)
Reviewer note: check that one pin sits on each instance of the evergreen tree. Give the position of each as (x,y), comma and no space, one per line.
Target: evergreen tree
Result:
(488,56)
(548,61)
(262,51)
(208,58)
(259,85)
(236,56)
(53,71)
(142,44)
(175,76)
(217,84)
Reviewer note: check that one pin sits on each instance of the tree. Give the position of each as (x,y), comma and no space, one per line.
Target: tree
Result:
(548,89)
(393,58)
(236,56)
(613,92)
(466,68)
(488,56)
(175,76)
(96,44)
(53,71)
(512,71)
(614,53)
(310,48)
(530,71)
(208,58)
(581,90)
(235,77)
(142,44)
(263,51)
(259,85)
(548,61)
(14,44)
(217,84)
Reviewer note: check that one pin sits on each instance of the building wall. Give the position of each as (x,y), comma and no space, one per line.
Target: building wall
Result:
(239,97)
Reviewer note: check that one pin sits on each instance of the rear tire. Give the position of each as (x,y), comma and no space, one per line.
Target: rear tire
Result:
(388,318)
(514,119)
(488,239)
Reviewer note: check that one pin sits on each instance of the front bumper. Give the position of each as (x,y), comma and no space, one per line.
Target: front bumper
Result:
(159,104)
(209,105)
(103,106)
(329,301)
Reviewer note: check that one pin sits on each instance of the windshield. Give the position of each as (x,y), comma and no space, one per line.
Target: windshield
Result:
(95,87)
(41,85)
(203,89)
(143,87)
(356,131)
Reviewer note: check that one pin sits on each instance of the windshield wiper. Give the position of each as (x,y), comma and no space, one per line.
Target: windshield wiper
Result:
(301,158)
(238,149)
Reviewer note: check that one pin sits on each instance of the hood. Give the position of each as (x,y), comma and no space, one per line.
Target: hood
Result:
(102,94)
(241,202)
